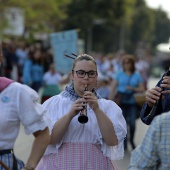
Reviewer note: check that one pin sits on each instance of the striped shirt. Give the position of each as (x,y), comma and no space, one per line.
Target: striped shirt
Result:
(154,151)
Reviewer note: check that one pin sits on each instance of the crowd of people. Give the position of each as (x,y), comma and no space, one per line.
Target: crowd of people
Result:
(89,89)
(28,64)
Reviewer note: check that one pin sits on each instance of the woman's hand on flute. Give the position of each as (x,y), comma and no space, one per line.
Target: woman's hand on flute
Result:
(77,106)
(91,100)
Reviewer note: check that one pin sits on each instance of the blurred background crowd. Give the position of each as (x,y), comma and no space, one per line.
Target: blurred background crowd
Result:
(34,66)
(107,30)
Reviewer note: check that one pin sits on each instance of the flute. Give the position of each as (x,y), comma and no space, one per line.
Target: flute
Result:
(158,102)
(83,113)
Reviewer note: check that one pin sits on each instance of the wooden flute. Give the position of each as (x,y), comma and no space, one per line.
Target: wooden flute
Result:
(83,118)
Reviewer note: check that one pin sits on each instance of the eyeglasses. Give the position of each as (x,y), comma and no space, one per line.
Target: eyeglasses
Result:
(82,73)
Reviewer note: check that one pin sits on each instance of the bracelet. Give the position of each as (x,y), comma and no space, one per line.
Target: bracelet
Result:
(28,167)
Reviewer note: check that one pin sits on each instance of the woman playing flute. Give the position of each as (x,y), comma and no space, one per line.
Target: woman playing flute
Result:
(80,146)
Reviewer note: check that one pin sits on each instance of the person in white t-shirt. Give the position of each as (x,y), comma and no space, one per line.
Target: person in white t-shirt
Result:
(52,77)
(19,105)
(52,80)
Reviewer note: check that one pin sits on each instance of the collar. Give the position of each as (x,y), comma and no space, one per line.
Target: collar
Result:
(70,93)
(4,82)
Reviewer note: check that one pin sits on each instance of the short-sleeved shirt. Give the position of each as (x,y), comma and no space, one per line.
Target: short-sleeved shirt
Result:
(154,151)
(18,104)
(125,80)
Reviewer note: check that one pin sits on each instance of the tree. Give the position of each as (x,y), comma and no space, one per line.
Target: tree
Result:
(83,14)
(161,27)
(142,26)
(39,15)
(149,26)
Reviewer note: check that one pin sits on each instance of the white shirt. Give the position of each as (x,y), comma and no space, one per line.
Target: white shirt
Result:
(59,105)
(51,79)
(18,104)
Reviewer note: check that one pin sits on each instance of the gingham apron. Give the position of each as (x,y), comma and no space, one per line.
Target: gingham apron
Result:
(77,156)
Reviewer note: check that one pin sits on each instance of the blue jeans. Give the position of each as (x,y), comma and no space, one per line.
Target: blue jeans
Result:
(130,115)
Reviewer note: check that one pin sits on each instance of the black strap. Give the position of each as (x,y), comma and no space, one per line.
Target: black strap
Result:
(6,151)
(15,166)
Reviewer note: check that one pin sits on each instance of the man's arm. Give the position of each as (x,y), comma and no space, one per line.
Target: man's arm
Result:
(41,141)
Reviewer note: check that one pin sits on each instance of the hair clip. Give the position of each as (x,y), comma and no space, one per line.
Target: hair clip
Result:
(74,54)
(71,56)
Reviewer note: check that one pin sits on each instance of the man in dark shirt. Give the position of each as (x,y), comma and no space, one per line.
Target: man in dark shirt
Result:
(152,96)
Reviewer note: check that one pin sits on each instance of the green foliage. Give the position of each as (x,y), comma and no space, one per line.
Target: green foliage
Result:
(84,15)
(146,26)
(111,25)
(39,15)
(162,27)
(142,25)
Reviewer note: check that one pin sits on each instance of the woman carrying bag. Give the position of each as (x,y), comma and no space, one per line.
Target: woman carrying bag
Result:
(127,83)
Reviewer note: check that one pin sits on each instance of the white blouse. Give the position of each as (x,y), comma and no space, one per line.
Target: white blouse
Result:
(59,105)
(18,104)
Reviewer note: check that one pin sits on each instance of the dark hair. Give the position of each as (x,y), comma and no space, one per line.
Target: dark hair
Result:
(83,57)
(131,59)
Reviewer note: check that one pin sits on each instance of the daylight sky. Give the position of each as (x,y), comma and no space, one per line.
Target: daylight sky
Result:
(165,5)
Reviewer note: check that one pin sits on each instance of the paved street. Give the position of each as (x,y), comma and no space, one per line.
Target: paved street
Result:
(140,132)
(23,143)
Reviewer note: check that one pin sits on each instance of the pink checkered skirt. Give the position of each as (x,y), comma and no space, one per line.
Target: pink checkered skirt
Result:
(77,156)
